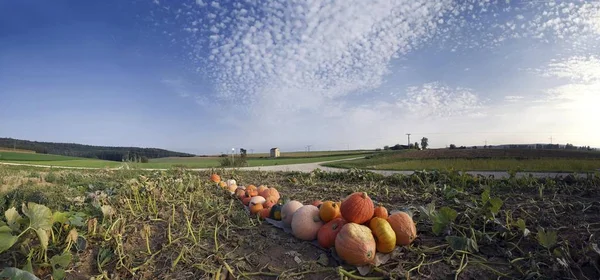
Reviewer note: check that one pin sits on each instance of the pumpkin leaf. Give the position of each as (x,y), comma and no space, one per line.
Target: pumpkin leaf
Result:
(60,217)
(43,236)
(14,273)
(7,240)
(12,218)
(59,273)
(546,238)
(521,224)
(495,205)
(485,196)
(462,243)
(443,218)
(61,260)
(40,216)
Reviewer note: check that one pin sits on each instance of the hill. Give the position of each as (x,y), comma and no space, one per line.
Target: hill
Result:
(89,151)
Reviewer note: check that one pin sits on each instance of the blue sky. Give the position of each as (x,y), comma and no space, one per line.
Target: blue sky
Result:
(205,76)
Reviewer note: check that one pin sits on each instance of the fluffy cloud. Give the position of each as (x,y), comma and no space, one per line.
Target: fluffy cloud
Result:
(301,65)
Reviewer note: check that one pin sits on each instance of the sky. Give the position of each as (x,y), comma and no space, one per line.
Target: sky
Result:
(205,76)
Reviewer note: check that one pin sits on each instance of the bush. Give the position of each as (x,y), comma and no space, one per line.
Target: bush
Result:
(236,162)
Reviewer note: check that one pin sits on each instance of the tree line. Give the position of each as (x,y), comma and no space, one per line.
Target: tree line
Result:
(89,151)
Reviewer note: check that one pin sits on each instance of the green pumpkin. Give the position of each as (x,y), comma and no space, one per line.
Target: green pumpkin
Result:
(276,212)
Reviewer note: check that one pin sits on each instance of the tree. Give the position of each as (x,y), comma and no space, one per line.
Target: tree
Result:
(452,146)
(424,143)
(417,146)
(386,147)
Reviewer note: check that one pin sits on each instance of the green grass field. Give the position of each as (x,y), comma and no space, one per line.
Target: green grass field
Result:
(208,162)
(541,165)
(170,162)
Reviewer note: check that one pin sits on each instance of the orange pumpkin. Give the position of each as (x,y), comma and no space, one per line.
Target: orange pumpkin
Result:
(271,192)
(317,203)
(215,178)
(232,188)
(357,208)
(355,244)
(246,200)
(404,227)
(255,208)
(381,212)
(329,210)
(261,189)
(240,193)
(385,237)
(222,184)
(270,201)
(265,212)
(251,192)
(251,187)
(328,232)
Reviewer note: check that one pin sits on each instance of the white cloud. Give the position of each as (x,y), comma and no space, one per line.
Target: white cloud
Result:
(300,65)
(437,100)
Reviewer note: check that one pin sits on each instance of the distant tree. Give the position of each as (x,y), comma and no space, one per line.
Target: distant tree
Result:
(452,146)
(424,143)
(474,147)
(243,152)
(416,146)
(144,159)
(386,147)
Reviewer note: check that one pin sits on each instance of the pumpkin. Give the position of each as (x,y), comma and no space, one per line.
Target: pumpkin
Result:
(222,184)
(380,212)
(251,187)
(404,227)
(269,202)
(357,208)
(385,237)
(355,244)
(261,189)
(215,178)
(255,208)
(231,182)
(271,192)
(276,212)
(329,210)
(240,193)
(328,232)
(246,200)
(306,223)
(316,203)
(257,200)
(251,192)
(264,213)
(287,212)
(232,188)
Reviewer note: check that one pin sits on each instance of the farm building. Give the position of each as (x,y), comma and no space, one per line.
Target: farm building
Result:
(275,152)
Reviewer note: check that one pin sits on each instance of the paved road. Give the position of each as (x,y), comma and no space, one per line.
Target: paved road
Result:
(308,167)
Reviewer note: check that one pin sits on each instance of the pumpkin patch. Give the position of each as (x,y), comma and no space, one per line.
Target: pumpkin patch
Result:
(353,227)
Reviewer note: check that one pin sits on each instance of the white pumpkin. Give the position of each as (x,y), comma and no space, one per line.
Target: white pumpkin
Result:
(231,182)
(257,200)
(287,212)
(306,223)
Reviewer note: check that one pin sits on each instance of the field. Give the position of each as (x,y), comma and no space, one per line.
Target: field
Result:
(54,160)
(480,160)
(208,162)
(170,162)
(176,224)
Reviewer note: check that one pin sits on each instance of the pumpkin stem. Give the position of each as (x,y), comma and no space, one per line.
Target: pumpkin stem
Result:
(316,219)
(364,195)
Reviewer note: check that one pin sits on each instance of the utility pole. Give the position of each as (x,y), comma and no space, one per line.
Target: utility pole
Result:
(551,139)
(408,139)
(308,147)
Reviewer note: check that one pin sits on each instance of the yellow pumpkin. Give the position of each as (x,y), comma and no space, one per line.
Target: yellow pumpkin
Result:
(385,237)
(329,210)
